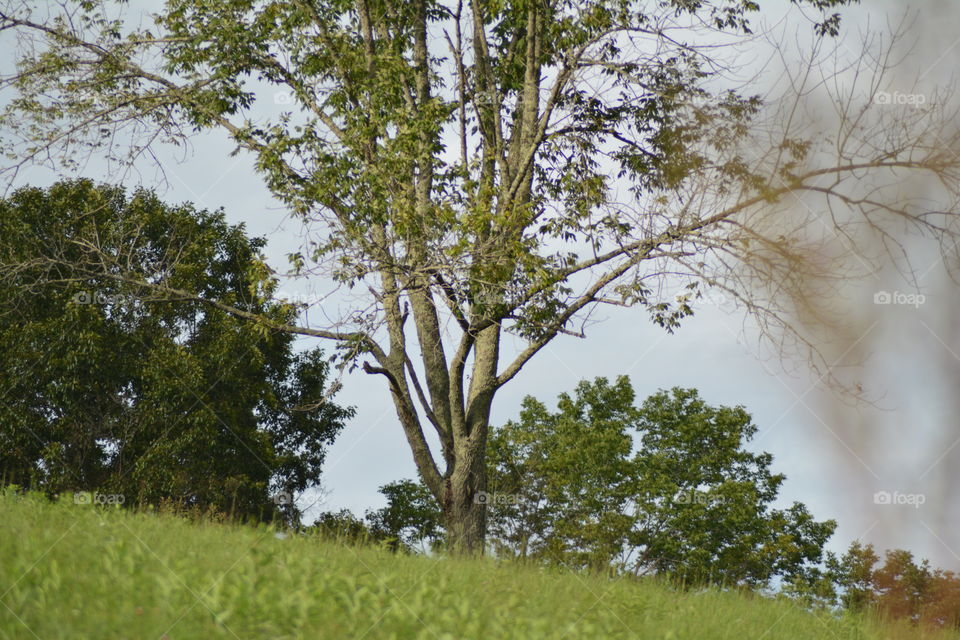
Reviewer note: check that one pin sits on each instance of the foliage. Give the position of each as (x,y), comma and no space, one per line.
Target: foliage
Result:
(666,488)
(900,588)
(853,575)
(472,169)
(110,388)
(411,517)
(343,527)
(99,573)
(410,520)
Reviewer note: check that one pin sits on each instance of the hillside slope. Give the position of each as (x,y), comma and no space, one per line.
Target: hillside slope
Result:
(77,571)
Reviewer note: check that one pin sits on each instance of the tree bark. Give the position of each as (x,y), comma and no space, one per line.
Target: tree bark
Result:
(464,504)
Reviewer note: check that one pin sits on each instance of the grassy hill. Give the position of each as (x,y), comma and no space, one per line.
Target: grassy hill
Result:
(78,571)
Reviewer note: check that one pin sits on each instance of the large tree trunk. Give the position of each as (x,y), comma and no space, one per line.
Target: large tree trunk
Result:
(464,505)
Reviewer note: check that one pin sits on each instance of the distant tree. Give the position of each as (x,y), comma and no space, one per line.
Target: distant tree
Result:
(902,587)
(344,527)
(814,589)
(561,484)
(106,387)
(411,518)
(943,606)
(853,573)
(665,488)
(898,589)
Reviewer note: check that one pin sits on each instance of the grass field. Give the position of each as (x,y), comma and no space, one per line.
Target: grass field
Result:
(79,571)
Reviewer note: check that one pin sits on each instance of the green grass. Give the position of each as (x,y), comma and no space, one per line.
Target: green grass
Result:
(78,571)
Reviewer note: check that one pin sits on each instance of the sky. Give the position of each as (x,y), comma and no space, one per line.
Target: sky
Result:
(836,455)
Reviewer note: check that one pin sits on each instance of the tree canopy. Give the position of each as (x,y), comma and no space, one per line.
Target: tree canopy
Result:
(667,488)
(108,387)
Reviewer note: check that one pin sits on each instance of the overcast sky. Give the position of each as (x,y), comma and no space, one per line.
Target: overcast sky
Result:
(835,457)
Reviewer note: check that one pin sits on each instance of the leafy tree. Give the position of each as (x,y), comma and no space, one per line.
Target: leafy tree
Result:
(943,602)
(898,589)
(344,527)
(815,589)
(411,517)
(486,167)
(108,387)
(560,483)
(901,586)
(666,488)
(853,574)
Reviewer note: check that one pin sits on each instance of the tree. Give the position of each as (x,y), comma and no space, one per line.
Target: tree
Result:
(899,589)
(411,517)
(853,574)
(561,484)
(472,169)
(666,488)
(902,587)
(110,388)
(943,606)
(344,527)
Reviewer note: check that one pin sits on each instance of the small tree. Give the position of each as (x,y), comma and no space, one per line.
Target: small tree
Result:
(665,488)
(411,517)
(902,586)
(853,573)
(560,484)
(109,387)
(343,527)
